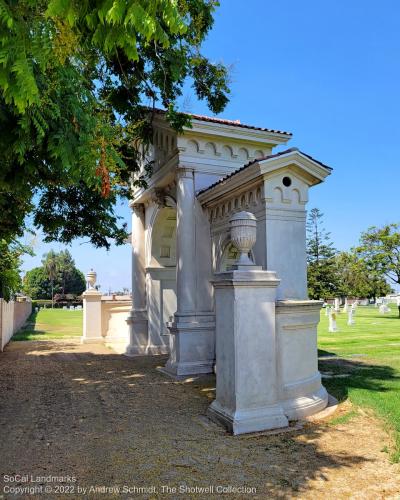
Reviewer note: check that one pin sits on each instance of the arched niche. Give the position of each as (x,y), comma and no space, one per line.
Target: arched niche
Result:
(192,146)
(161,276)
(243,154)
(163,238)
(210,149)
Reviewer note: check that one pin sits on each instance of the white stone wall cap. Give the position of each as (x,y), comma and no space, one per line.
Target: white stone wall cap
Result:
(92,292)
(299,303)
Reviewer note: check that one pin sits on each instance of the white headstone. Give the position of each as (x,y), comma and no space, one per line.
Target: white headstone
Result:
(332,322)
(337,305)
(346,305)
(350,319)
(383,309)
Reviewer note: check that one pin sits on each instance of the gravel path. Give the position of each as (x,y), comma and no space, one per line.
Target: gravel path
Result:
(115,422)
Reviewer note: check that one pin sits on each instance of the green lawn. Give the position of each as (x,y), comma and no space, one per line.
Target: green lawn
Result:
(369,363)
(51,324)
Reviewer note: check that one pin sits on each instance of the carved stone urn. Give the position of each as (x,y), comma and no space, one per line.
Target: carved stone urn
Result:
(91,277)
(243,235)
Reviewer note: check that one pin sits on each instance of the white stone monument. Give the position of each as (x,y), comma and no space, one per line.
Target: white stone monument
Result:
(332,322)
(346,305)
(383,308)
(181,248)
(337,305)
(350,319)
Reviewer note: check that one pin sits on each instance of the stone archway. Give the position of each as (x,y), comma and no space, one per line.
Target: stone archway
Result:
(161,276)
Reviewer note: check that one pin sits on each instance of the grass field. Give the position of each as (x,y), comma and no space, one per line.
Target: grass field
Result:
(50,324)
(368,371)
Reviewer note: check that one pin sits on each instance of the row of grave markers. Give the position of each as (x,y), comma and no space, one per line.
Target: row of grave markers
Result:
(70,308)
(351,311)
(331,313)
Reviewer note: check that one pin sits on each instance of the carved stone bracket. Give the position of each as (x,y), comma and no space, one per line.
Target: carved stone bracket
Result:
(163,198)
(138,208)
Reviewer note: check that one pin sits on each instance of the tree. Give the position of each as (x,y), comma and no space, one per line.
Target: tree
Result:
(36,284)
(356,279)
(68,279)
(380,249)
(321,270)
(10,261)
(66,267)
(79,82)
(50,269)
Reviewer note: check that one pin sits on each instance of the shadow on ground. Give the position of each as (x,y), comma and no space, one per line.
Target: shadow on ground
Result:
(362,375)
(111,420)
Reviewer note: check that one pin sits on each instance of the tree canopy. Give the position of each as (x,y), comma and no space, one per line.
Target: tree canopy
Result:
(380,249)
(10,261)
(77,81)
(321,271)
(357,279)
(58,274)
(364,271)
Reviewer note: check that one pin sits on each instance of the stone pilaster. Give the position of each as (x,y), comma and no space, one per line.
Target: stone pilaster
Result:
(137,319)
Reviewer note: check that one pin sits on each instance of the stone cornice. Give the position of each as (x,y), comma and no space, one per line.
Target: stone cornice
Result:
(235,133)
(309,170)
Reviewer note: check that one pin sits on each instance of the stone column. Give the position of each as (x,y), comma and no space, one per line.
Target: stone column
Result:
(137,319)
(185,243)
(192,347)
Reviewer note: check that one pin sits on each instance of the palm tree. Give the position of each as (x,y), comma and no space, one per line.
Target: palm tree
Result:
(50,266)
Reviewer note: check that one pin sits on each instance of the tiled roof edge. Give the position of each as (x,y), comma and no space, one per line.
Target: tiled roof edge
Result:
(233,123)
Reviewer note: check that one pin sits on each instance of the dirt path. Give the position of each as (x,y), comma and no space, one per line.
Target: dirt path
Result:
(112,421)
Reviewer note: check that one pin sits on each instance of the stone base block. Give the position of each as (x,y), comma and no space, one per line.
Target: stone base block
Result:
(92,340)
(184,369)
(250,420)
(305,406)
(192,345)
(145,350)
(136,350)
(138,333)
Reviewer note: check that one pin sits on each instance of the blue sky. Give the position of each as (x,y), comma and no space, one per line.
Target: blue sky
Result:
(329,72)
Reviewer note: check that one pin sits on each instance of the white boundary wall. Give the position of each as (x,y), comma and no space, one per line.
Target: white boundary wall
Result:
(13,316)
